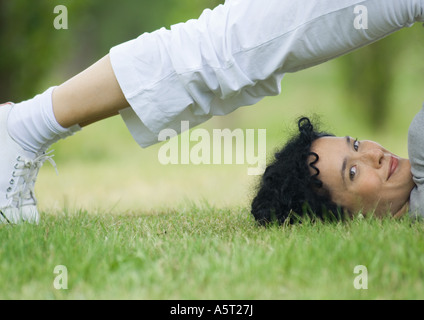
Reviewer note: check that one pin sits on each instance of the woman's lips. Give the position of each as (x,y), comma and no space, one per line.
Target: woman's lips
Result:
(394,162)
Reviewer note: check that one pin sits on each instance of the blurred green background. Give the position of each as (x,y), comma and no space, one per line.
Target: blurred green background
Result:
(372,93)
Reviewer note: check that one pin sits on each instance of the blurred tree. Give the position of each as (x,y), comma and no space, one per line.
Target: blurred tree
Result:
(369,75)
(368,79)
(29,42)
(32,50)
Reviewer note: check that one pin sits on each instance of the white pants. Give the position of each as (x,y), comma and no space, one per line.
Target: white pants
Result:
(237,54)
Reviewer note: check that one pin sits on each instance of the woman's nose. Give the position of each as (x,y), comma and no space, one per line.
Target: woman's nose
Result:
(374,157)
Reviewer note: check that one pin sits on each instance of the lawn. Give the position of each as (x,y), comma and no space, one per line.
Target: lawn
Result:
(202,252)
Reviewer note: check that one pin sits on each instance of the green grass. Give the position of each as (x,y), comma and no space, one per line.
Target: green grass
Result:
(201,252)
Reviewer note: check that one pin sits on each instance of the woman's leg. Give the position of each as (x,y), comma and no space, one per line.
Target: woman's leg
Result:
(92,95)
(195,70)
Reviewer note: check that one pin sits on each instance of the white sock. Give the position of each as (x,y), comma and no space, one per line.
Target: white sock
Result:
(33,126)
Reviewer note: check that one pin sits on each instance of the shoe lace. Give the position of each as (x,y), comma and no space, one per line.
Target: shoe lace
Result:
(27,170)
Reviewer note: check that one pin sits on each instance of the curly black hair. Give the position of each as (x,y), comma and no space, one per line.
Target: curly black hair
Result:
(288,190)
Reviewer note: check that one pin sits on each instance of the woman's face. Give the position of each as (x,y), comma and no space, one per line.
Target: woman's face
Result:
(362,175)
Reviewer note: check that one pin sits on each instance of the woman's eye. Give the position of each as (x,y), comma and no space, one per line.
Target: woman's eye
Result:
(356,145)
(352,173)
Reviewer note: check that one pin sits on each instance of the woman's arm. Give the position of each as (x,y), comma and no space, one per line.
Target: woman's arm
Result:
(416,157)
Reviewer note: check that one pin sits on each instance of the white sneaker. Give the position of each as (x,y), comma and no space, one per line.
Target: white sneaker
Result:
(18,173)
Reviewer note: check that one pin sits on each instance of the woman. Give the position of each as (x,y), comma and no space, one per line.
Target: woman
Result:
(319,174)
(231,56)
